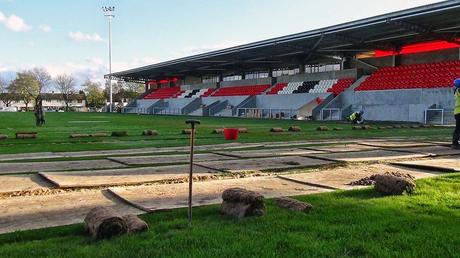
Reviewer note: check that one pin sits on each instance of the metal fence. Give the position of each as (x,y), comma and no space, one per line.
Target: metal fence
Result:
(267,113)
(438,116)
(167,111)
(152,111)
(135,110)
(331,114)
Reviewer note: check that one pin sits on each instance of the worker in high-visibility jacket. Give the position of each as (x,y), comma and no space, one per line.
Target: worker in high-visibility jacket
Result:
(456,137)
(356,117)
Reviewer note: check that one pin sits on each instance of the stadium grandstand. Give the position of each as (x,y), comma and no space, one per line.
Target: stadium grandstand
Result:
(394,67)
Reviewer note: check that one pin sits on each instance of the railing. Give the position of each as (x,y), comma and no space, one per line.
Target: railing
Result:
(135,110)
(439,116)
(331,114)
(206,109)
(434,116)
(249,102)
(218,107)
(192,106)
(167,111)
(270,113)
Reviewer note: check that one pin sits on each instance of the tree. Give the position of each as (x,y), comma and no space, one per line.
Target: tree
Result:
(94,95)
(5,95)
(44,80)
(132,90)
(23,87)
(116,89)
(65,84)
(29,86)
(125,90)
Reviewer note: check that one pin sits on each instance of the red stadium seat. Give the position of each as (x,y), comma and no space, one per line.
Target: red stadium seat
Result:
(435,75)
(341,85)
(164,93)
(277,88)
(241,90)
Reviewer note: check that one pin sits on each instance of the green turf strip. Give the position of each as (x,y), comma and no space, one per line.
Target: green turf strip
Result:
(342,224)
(54,136)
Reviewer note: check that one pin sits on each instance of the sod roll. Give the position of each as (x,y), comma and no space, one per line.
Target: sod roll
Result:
(79,135)
(243,130)
(218,131)
(322,128)
(119,133)
(393,185)
(293,205)
(239,203)
(187,131)
(135,224)
(276,130)
(150,132)
(26,135)
(3,137)
(99,135)
(294,129)
(103,222)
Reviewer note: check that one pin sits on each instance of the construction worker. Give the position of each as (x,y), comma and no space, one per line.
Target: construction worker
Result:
(356,117)
(456,137)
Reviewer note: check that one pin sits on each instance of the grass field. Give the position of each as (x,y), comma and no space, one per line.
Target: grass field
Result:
(342,224)
(55,135)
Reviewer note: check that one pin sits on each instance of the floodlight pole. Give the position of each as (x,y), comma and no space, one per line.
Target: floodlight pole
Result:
(108,12)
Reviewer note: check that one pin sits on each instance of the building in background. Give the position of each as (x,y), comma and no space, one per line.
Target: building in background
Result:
(51,102)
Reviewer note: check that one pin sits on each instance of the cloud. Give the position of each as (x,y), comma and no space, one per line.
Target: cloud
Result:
(14,23)
(94,68)
(194,50)
(45,28)
(134,63)
(79,36)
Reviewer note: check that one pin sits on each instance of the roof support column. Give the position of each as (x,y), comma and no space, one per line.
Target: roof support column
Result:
(346,63)
(270,72)
(397,60)
(301,69)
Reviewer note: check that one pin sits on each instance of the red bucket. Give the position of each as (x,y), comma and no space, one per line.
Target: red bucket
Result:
(231,133)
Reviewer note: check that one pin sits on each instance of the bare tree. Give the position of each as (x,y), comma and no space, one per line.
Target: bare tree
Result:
(44,80)
(65,84)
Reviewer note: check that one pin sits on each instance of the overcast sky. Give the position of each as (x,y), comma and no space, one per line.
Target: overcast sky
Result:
(70,36)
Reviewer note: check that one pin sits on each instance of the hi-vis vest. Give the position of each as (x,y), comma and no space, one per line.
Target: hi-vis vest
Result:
(457,102)
(353,116)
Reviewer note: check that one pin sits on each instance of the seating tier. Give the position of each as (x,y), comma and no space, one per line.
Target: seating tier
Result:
(164,93)
(334,85)
(434,75)
(241,90)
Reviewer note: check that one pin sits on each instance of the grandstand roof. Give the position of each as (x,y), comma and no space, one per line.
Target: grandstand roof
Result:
(439,21)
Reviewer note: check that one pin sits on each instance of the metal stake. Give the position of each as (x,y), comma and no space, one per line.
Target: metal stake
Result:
(190,177)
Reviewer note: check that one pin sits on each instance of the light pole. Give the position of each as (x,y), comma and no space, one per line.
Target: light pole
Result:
(108,12)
